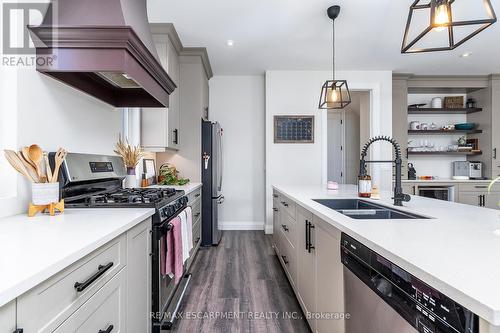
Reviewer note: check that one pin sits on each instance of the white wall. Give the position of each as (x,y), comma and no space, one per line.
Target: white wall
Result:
(238,103)
(54,115)
(297,92)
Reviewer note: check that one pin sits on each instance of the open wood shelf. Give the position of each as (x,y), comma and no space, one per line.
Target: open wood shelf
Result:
(443,110)
(468,153)
(419,132)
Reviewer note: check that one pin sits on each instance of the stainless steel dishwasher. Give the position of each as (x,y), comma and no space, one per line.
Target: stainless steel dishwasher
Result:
(383,298)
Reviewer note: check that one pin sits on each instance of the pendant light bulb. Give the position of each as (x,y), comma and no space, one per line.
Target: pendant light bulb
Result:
(333,95)
(441,16)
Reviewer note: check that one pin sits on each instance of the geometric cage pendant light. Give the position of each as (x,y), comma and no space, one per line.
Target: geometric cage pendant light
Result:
(334,93)
(444,27)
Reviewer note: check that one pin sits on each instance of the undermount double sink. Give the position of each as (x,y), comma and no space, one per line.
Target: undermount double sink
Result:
(366,210)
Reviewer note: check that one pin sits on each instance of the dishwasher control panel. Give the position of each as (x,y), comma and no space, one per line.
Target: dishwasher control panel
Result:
(424,307)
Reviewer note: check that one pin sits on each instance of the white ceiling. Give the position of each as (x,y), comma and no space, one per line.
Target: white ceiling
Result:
(296,35)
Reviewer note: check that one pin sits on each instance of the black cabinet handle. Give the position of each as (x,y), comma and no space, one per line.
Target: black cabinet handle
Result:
(285,227)
(284,260)
(107,330)
(176,136)
(275,195)
(197,214)
(101,269)
(307,235)
(197,195)
(481,186)
(284,203)
(311,246)
(275,209)
(495,153)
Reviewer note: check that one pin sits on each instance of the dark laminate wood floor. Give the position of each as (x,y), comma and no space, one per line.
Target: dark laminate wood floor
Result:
(240,286)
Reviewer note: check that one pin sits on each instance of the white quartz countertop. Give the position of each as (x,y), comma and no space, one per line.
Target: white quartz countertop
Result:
(457,251)
(33,249)
(188,188)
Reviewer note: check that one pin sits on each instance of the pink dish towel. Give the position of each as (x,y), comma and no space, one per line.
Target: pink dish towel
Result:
(173,260)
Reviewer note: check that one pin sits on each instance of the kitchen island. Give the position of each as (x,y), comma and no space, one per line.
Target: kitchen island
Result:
(454,250)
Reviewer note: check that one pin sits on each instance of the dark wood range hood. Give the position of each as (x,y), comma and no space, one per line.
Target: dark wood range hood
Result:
(105,49)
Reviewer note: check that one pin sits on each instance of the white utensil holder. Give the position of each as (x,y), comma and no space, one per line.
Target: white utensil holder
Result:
(44,193)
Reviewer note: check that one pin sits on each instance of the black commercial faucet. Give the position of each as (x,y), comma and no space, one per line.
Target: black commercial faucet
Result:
(399,196)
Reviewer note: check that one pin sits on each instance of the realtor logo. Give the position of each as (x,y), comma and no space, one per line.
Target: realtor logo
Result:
(15,18)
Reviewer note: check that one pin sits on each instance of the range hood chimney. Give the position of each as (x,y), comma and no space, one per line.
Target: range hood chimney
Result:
(103,48)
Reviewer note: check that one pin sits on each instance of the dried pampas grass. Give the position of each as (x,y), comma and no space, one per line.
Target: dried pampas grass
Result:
(131,155)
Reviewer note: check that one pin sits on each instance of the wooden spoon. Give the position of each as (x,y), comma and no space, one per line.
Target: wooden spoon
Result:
(59,158)
(30,168)
(48,170)
(36,156)
(26,156)
(13,159)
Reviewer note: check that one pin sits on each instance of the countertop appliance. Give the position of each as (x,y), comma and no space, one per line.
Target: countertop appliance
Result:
(212,172)
(95,181)
(383,298)
(473,170)
(440,192)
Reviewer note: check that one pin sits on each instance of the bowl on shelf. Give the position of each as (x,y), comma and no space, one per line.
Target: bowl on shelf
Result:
(465,126)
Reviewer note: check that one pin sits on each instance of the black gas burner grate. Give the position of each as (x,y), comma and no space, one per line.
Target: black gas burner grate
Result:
(132,196)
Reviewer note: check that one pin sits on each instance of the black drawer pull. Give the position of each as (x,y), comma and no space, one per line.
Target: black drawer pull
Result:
(275,209)
(284,260)
(284,203)
(107,330)
(481,186)
(275,195)
(285,227)
(197,195)
(197,214)
(81,286)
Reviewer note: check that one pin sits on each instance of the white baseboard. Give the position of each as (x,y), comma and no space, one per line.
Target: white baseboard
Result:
(241,225)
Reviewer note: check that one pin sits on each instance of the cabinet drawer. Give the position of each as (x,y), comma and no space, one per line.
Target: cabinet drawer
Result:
(103,312)
(196,232)
(54,300)
(289,228)
(479,187)
(288,257)
(196,208)
(193,196)
(288,206)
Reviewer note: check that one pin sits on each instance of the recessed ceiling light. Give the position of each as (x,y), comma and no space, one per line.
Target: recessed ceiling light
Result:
(230,42)
(497,232)
(465,55)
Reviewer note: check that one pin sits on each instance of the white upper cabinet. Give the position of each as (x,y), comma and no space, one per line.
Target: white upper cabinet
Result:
(160,127)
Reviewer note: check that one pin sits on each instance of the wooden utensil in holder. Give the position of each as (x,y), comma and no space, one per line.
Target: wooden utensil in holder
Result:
(44,185)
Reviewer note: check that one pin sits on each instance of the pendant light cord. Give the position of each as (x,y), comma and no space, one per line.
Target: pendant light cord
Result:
(333,49)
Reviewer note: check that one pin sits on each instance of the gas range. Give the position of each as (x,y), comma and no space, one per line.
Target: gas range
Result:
(95,181)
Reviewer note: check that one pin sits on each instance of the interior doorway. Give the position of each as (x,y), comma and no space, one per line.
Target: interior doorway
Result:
(347,130)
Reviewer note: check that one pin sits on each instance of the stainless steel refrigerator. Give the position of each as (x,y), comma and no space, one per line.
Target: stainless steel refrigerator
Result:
(212,172)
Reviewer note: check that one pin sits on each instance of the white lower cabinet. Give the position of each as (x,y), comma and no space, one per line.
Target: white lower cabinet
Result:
(329,279)
(319,280)
(8,317)
(91,294)
(306,286)
(104,312)
(139,278)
